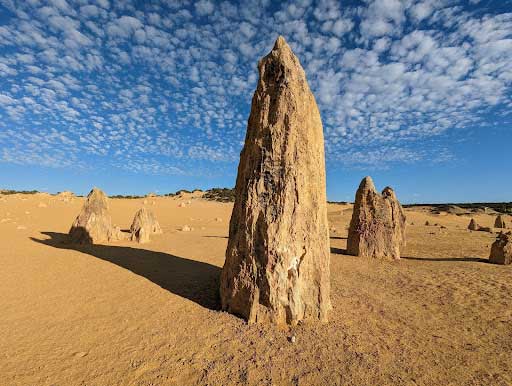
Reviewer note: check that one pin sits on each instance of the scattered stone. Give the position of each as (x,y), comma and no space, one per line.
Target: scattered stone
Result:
(473,226)
(93,224)
(186,228)
(427,223)
(144,224)
(188,202)
(293,339)
(500,222)
(182,205)
(377,228)
(277,259)
(218,219)
(501,249)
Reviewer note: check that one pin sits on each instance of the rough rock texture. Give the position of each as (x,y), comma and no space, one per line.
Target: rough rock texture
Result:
(93,224)
(377,227)
(501,250)
(144,224)
(500,222)
(473,226)
(277,259)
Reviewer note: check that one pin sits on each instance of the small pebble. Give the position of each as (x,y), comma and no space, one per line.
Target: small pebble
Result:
(293,339)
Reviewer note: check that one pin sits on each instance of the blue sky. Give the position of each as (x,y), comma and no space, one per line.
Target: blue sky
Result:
(141,96)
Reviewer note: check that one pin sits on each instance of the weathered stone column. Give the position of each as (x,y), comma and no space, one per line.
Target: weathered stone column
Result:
(277,259)
(377,227)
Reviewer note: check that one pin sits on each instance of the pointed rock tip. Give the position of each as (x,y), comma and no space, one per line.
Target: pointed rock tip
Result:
(96,191)
(367,183)
(281,44)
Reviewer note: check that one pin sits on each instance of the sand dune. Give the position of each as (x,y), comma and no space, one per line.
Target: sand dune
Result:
(131,314)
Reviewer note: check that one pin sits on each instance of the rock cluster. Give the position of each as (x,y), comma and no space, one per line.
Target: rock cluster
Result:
(277,259)
(144,224)
(93,224)
(377,227)
(501,249)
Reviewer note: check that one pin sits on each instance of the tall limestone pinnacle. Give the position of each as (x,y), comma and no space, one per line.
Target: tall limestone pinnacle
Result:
(277,259)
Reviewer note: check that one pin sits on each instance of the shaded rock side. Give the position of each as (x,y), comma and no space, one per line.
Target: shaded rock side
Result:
(499,222)
(144,224)
(377,227)
(277,259)
(93,224)
(501,249)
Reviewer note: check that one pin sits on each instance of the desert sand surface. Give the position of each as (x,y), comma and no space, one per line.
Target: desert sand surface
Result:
(147,314)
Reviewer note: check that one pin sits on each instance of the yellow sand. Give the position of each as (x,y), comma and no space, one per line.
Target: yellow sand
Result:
(146,314)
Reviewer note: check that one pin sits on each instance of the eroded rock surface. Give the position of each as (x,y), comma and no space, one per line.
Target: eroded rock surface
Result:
(377,227)
(277,259)
(93,224)
(501,249)
(144,225)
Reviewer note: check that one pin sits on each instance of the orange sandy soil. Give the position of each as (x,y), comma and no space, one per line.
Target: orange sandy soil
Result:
(132,314)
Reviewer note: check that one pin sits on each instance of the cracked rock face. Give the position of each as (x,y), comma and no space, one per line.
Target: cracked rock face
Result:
(501,249)
(377,227)
(144,224)
(93,224)
(277,259)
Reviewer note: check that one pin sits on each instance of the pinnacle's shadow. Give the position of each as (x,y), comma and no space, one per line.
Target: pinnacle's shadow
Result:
(190,279)
(440,259)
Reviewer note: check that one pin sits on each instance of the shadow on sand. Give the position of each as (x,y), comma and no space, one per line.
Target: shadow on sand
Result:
(193,280)
(469,259)
(338,251)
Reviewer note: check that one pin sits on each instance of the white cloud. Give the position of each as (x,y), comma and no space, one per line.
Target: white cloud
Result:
(204,7)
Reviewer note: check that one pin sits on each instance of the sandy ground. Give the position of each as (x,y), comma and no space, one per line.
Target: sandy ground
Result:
(147,314)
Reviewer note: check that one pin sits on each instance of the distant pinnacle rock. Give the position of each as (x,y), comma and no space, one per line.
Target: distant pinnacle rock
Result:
(377,227)
(473,226)
(500,222)
(501,249)
(144,224)
(93,224)
(277,259)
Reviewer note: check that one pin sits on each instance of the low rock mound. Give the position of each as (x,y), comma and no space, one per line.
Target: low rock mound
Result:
(501,250)
(144,224)
(473,225)
(500,222)
(93,224)
(377,228)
